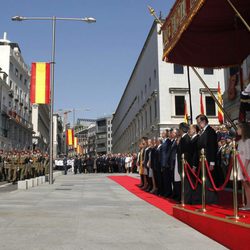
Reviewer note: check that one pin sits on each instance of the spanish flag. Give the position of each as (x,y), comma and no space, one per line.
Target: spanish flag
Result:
(79,149)
(40,83)
(70,137)
(185,112)
(75,142)
(201,105)
(220,113)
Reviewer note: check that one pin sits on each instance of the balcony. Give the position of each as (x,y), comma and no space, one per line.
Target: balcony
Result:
(4,132)
(16,98)
(101,140)
(21,101)
(4,109)
(18,119)
(102,149)
(11,93)
(102,129)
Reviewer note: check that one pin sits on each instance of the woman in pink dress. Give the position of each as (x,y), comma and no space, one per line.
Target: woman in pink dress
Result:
(244,153)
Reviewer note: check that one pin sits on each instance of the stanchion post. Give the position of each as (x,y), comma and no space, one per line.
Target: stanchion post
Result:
(235,185)
(203,172)
(243,196)
(182,180)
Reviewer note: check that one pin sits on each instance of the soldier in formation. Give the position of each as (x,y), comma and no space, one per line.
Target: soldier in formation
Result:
(19,165)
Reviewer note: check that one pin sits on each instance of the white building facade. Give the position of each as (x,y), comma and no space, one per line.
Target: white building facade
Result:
(41,127)
(18,127)
(155,95)
(104,135)
(5,142)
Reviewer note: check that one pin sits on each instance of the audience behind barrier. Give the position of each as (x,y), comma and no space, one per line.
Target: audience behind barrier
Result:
(159,160)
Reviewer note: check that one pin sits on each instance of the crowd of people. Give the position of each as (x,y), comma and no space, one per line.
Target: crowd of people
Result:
(160,160)
(108,163)
(19,165)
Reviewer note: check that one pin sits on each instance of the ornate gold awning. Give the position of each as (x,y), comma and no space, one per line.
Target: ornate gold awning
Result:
(206,33)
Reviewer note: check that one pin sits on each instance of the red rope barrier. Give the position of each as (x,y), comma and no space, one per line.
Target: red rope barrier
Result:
(243,168)
(212,180)
(198,180)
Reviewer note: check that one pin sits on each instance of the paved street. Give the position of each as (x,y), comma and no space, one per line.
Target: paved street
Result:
(89,212)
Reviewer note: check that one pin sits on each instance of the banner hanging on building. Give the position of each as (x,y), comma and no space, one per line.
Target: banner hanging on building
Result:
(79,149)
(185,112)
(201,105)
(70,137)
(75,142)
(220,113)
(40,83)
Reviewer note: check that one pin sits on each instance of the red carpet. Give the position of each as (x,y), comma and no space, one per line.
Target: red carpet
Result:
(230,233)
(130,184)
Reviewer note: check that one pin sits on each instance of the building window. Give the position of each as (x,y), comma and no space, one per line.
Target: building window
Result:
(11,67)
(178,69)
(11,84)
(210,106)
(154,73)
(145,89)
(25,82)
(141,95)
(179,104)
(149,82)
(109,135)
(208,71)
(21,77)
(16,72)
(150,114)
(155,108)
(108,122)
(146,119)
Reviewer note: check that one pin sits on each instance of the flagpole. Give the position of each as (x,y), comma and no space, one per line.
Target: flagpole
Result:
(52,99)
(53,19)
(190,97)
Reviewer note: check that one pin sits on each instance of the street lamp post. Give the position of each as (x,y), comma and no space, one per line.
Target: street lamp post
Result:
(53,19)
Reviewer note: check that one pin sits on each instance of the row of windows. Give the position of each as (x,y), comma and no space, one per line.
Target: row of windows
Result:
(19,92)
(19,76)
(146,87)
(179,69)
(142,122)
(210,107)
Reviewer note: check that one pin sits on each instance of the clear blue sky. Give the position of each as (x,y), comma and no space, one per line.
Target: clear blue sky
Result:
(93,61)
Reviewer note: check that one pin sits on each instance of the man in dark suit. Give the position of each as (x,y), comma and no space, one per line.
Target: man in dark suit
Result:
(208,142)
(184,148)
(172,161)
(194,153)
(164,155)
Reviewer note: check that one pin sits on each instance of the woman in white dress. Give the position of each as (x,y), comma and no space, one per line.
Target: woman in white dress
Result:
(128,162)
(244,153)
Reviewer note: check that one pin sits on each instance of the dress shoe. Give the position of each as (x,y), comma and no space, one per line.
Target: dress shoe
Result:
(244,208)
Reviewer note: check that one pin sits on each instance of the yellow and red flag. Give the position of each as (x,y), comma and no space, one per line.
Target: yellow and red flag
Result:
(75,142)
(40,83)
(185,112)
(220,113)
(79,149)
(70,137)
(201,105)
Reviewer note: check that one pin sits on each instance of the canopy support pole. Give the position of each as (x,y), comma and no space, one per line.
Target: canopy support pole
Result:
(239,15)
(214,98)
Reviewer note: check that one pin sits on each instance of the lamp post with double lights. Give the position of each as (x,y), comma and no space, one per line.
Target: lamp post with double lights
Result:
(53,19)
